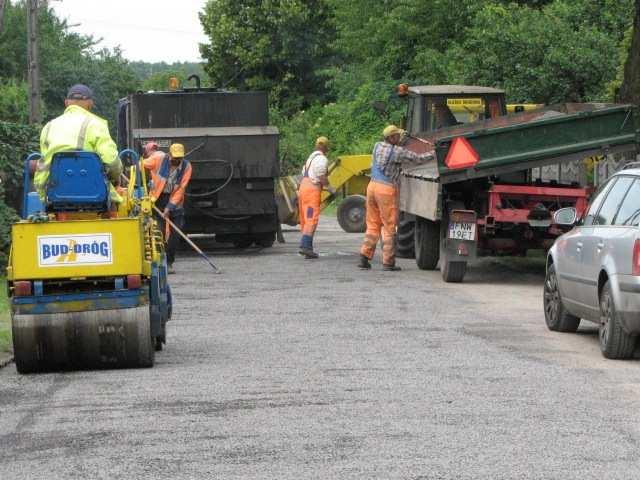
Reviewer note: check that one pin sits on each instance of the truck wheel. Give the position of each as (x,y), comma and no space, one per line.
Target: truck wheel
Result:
(405,241)
(615,343)
(352,213)
(453,272)
(555,315)
(241,241)
(427,243)
(265,240)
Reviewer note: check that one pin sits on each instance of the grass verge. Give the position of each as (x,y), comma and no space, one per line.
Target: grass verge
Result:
(5,322)
(331,209)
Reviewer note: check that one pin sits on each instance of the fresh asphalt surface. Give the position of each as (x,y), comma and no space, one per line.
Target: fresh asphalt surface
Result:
(285,368)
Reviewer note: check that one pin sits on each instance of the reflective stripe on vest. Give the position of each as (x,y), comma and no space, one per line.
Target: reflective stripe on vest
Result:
(82,135)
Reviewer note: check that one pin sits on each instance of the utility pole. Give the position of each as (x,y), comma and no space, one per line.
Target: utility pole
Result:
(33,65)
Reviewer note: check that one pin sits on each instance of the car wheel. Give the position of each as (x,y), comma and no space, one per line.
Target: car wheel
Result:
(556,316)
(615,343)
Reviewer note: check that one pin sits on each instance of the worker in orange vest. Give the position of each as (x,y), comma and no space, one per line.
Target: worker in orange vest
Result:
(170,175)
(382,197)
(314,179)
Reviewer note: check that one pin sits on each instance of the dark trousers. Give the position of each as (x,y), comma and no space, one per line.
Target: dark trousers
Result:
(177,217)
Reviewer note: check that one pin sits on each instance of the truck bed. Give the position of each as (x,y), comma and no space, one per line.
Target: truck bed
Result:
(552,135)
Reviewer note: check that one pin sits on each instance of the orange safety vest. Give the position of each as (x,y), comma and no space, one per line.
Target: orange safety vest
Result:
(159,166)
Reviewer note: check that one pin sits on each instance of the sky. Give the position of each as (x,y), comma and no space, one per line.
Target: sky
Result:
(153,31)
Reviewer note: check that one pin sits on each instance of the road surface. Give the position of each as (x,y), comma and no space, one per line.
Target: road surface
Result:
(285,368)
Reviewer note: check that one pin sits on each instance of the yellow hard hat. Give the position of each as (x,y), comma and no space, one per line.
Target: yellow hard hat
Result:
(392,130)
(176,150)
(322,141)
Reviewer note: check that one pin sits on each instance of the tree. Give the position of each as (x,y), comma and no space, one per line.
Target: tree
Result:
(562,52)
(280,46)
(630,88)
(66,58)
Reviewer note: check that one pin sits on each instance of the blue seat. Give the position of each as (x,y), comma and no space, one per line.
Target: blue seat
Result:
(77,182)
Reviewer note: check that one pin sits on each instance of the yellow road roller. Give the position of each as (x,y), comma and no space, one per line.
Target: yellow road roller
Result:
(87,277)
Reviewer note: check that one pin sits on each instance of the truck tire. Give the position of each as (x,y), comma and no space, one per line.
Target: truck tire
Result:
(615,343)
(427,243)
(242,242)
(405,241)
(453,272)
(265,240)
(352,214)
(555,315)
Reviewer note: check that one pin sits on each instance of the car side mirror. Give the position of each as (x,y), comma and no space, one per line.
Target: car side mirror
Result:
(565,216)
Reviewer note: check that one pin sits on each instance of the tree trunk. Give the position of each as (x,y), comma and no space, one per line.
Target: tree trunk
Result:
(630,89)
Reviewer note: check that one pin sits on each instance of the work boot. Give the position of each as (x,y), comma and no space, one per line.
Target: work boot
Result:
(364,263)
(308,253)
(391,268)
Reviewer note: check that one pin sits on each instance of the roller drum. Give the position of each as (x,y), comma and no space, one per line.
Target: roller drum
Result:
(83,340)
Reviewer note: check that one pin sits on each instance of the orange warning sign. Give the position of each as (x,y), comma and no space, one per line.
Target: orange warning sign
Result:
(461,154)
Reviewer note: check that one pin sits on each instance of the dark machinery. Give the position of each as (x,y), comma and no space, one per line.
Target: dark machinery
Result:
(231,147)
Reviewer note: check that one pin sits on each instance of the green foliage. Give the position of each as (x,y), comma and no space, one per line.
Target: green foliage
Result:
(544,56)
(155,76)
(14,101)
(144,70)
(613,88)
(16,140)
(393,40)
(275,45)
(352,126)
(67,58)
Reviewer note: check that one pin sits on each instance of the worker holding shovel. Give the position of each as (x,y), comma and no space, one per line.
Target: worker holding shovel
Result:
(170,174)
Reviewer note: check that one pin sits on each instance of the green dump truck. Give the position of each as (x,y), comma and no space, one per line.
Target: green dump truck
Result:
(481,196)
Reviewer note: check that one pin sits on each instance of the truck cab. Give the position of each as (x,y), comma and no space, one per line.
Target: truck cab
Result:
(433,107)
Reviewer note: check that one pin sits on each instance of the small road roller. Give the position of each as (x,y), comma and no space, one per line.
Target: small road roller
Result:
(87,276)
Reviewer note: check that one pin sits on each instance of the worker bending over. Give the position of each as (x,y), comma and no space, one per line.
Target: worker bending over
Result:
(382,197)
(314,179)
(78,129)
(170,175)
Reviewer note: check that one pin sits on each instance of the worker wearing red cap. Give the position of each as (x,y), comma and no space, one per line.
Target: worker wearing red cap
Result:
(382,197)
(314,179)
(170,176)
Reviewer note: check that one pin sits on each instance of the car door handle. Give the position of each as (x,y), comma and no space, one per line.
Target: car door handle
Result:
(600,246)
(579,246)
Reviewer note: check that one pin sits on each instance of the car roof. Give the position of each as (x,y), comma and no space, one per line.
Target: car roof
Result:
(453,90)
(634,171)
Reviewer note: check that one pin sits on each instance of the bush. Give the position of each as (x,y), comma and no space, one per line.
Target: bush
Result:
(16,141)
(351,124)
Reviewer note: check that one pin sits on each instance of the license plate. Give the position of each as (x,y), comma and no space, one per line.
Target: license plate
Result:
(462,230)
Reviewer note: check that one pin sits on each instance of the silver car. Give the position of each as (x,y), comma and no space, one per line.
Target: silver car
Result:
(593,271)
